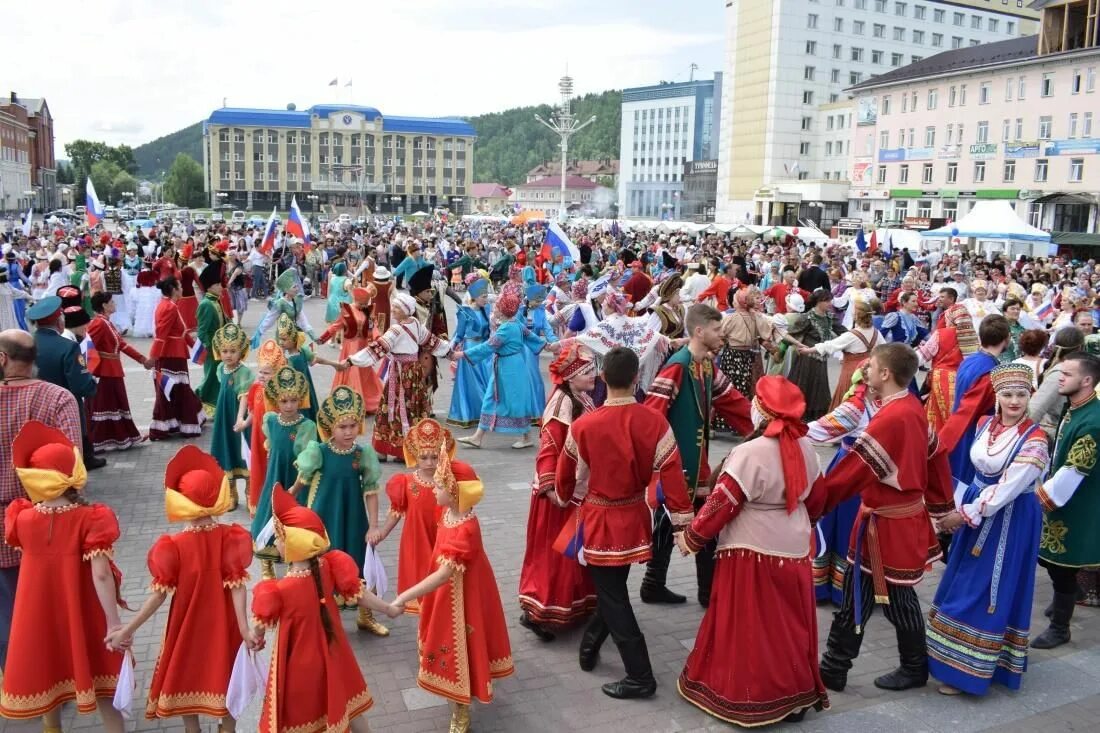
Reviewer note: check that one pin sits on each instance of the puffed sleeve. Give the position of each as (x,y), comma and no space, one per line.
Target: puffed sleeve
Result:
(11,517)
(163,562)
(370,471)
(345,576)
(395,490)
(306,434)
(236,556)
(100,532)
(245,378)
(460,547)
(309,461)
(267,604)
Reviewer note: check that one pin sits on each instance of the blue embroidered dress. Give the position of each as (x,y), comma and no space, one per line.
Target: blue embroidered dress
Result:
(509,405)
(471,380)
(538,325)
(972,370)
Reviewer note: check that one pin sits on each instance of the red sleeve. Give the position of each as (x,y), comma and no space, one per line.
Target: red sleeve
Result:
(565,475)
(664,389)
(267,603)
(236,556)
(669,470)
(100,531)
(461,546)
(551,441)
(11,517)
(844,480)
(815,500)
(730,404)
(130,351)
(892,302)
(711,291)
(345,576)
(331,331)
(939,496)
(977,401)
(163,562)
(395,490)
(723,504)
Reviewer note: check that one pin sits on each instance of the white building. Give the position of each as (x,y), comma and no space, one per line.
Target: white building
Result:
(787,65)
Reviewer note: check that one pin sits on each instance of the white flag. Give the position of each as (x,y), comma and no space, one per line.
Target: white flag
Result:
(27,222)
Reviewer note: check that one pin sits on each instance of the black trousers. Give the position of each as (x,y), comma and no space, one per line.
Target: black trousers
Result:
(903,611)
(657,569)
(1063,579)
(614,614)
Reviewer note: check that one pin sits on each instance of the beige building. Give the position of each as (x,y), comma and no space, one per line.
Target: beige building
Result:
(582,196)
(1017,120)
(596,171)
(488,198)
(337,156)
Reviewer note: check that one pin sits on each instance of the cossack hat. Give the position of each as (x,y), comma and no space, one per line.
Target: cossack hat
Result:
(46,309)
(427,436)
(195,486)
(421,280)
(210,275)
(46,462)
(670,287)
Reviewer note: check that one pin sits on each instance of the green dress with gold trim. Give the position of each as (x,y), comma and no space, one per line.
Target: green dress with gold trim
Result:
(210,318)
(336,483)
(301,361)
(225,443)
(284,444)
(1071,533)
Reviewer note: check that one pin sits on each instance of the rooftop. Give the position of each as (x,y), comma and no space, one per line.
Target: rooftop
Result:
(958,60)
(571,182)
(248,117)
(602,167)
(489,191)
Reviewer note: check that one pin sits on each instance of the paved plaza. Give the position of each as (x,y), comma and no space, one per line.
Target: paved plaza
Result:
(548,692)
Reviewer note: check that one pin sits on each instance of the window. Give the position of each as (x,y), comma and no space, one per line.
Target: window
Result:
(938,15)
(959,133)
(811,20)
(926,174)
(834,76)
(828,147)
(959,19)
(808,73)
(803,148)
(930,137)
(899,33)
(838,25)
(950,133)
(952,172)
(1021,89)
(854,77)
(857,27)
(878,30)
(1010,27)
(937,40)
(833,98)
(1006,129)
(952,96)
(838,50)
(992,23)
(1072,125)
(1076,82)
(1010,84)
(1041,168)
(1019,128)
(861,4)
(914,59)
(1009,171)
(976,22)
(899,9)
(881,176)
(857,54)
(933,98)
(904,103)
(956,42)
(807,97)
(983,132)
(984,92)
(1076,169)
(901,209)
(829,122)
(950,210)
(1090,80)
(918,36)
(884,140)
(1086,125)
(806,122)
(962,95)
(919,12)
(896,59)
(903,173)
(884,106)
(1044,127)
(979,171)
(1046,87)
(880,6)
(811,48)
(924,208)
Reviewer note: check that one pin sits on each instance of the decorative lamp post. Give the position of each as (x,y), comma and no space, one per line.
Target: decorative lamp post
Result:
(564,124)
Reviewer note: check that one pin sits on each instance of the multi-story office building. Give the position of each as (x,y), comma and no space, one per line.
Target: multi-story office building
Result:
(788,63)
(338,155)
(663,127)
(1016,120)
(34,115)
(15,160)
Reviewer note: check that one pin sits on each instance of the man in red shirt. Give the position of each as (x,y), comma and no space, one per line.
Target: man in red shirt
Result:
(639,284)
(621,451)
(779,292)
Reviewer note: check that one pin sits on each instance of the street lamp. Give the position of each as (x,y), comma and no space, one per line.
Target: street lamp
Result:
(312,202)
(564,124)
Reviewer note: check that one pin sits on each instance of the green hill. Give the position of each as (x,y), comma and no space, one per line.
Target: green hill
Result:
(509,144)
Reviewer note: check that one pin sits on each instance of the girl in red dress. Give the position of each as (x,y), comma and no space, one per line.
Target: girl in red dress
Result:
(205,568)
(357,325)
(555,591)
(412,498)
(67,598)
(110,424)
(463,638)
(314,684)
(176,408)
(269,359)
(189,300)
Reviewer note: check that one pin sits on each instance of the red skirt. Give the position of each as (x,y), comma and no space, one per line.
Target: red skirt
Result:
(844,381)
(180,412)
(755,657)
(189,306)
(554,590)
(362,380)
(110,426)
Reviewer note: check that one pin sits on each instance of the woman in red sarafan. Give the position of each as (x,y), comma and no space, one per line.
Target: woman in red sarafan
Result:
(762,604)
(109,421)
(555,591)
(463,637)
(176,408)
(67,596)
(204,568)
(357,325)
(189,300)
(314,684)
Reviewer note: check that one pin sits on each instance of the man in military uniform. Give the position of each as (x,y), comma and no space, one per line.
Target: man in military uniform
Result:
(1071,496)
(60,362)
(210,317)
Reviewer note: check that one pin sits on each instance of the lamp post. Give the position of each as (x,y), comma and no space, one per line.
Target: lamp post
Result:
(564,124)
(312,202)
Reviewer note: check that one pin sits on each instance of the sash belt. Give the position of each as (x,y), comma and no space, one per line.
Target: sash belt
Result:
(867,526)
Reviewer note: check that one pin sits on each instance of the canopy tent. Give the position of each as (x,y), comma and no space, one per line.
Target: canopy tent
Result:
(528,215)
(419,214)
(994,227)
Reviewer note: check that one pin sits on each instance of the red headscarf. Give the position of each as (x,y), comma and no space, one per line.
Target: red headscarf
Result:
(782,405)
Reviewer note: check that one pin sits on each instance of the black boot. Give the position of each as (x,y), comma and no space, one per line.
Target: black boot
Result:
(913,671)
(639,680)
(704,573)
(841,648)
(654,589)
(542,633)
(1057,633)
(594,635)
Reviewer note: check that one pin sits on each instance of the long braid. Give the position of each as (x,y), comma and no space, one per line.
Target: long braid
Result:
(326,621)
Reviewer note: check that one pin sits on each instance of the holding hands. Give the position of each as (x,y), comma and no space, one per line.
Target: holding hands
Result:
(951,523)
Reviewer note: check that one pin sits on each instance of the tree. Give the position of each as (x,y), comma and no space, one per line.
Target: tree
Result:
(123,157)
(83,154)
(65,173)
(124,183)
(104,173)
(184,182)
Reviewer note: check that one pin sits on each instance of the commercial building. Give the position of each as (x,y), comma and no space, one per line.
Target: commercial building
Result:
(602,171)
(32,118)
(488,198)
(582,197)
(787,65)
(700,189)
(663,127)
(15,160)
(338,156)
(1017,120)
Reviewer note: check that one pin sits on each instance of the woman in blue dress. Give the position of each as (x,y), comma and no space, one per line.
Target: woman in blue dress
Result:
(509,405)
(470,379)
(339,292)
(980,619)
(534,316)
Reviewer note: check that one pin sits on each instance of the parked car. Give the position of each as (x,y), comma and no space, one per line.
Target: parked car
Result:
(217,218)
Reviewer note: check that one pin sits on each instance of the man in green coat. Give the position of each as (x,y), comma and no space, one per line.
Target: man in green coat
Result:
(1071,496)
(210,318)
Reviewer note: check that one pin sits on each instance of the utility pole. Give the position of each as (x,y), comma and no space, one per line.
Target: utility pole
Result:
(691,74)
(564,124)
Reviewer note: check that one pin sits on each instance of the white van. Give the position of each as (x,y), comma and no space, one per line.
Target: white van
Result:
(239,217)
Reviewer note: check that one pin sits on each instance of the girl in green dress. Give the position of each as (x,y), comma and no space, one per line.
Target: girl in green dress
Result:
(340,482)
(287,432)
(292,340)
(230,346)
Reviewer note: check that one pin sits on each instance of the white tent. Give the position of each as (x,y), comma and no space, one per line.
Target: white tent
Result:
(993,227)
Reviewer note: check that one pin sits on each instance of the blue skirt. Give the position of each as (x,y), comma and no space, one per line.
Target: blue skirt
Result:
(981,617)
(471,381)
(836,528)
(536,376)
(509,405)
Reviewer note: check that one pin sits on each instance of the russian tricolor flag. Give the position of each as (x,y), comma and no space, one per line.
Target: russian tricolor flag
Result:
(296,226)
(1045,311)
(93,209)
(270,232)
(90,354)
(556,237)
(198,353)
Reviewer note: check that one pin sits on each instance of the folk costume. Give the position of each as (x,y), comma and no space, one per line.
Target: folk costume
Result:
(980,620)
(855,344)
(811,372)
(225,443)
(555,591)
(431,315)
(383,284)
(189,275)
(211,318)
(471,380)
(944,351)
(176,408)
(285,304)
(762,574)
(744,332)
(533,317)
(300,358)
(339,292)
(668,317)
(268,355)
(689,393)
(110,425)
(199,566)
(974,399)
(900,482)
(621,452)
(55,649)
(314,682)
(356,325)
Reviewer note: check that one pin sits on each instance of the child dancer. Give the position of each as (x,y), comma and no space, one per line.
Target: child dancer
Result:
(292,339)
(341,480)
(250,418)
(205,568)
(67,597)
(230,345)
(314,682)
(465,598)
(287,432)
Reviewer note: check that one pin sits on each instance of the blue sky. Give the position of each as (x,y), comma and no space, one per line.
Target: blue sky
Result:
(148,68)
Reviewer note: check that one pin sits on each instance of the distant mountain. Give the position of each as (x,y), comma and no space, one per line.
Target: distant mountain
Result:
(509,144)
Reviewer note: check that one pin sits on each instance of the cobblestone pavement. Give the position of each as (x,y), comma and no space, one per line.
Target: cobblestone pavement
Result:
(548,692)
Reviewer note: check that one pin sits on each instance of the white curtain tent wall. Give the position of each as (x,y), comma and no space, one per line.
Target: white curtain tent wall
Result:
(992,227)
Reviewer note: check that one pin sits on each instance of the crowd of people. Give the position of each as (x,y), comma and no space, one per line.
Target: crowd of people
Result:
(965,412)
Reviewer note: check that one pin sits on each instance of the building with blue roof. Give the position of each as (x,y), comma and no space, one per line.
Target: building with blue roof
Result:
(336,156)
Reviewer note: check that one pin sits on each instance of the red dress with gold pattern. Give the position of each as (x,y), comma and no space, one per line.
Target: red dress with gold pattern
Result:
(414,501)
(463,637)
(257,468)
(56,651)
(199,566)
(323,689)
(358,328)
